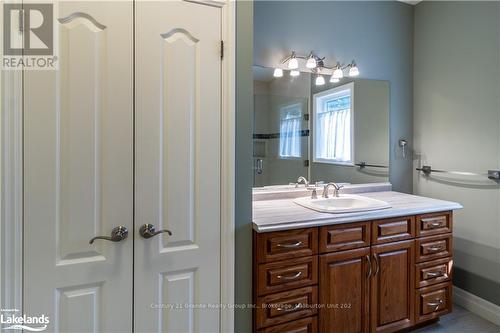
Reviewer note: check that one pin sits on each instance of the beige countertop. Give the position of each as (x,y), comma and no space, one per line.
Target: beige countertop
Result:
(282,214)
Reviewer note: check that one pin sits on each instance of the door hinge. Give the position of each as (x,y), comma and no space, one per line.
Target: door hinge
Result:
(221,49)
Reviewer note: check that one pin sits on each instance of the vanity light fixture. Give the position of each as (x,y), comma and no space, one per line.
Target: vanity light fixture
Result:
(353,70)
(311,62)
(338,73)
(320,80)
(317,66)
(293,62)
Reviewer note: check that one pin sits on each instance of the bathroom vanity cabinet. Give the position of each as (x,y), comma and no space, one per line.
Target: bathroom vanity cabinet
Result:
(372,276)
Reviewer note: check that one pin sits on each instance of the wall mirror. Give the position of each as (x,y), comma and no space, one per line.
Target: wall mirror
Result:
(305,126)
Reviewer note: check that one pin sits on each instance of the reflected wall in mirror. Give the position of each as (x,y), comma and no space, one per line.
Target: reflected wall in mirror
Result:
(281,130)
(331,132)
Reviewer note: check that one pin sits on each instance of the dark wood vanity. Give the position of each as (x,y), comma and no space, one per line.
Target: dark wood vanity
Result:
(373,276)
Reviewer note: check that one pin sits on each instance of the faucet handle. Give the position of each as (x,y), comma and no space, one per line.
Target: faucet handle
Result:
(302,180)
(314,194)
(337,190)
(325,191)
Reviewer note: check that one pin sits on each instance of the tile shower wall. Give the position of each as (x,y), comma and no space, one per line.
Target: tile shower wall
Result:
(457,127)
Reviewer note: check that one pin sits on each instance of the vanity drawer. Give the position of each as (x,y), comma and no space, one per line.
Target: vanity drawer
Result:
(283,275)
(288,244)
(434,224)
(392,230)
(342,237)
(433,272)
(433,247)
(286,306)
(306,325)
(433,301)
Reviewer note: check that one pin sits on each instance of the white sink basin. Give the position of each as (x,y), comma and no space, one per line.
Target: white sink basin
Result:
(344,203)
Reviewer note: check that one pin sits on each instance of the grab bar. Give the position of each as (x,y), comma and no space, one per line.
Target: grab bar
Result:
(492,174)
(364,165)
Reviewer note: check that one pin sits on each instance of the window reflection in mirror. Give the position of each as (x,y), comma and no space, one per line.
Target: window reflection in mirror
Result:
(290,123)
(333,139)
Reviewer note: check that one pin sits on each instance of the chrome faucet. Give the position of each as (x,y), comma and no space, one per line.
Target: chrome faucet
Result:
(336,189)
(302,180)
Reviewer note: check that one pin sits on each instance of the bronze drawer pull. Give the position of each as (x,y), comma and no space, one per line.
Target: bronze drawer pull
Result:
(436,248)
(435,274)
(435,225)
(290,277)
(289,246)
(435,303)
(289,309)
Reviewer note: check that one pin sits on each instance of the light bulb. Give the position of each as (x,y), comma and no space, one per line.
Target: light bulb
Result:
(353,71)
(338,73)
(294,73)
(334,80)
(293,63)
(320,80)
(311,62)
(278,72)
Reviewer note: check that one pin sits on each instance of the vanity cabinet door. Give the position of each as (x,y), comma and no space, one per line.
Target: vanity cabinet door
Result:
(344,296)
(392,287)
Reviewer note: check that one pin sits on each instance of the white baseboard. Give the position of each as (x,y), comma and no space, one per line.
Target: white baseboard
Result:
(477,305)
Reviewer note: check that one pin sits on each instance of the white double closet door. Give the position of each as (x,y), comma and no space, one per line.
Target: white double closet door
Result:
(125,133)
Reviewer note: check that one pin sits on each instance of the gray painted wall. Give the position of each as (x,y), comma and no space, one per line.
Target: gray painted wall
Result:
(244,173)
(457,127)
(378,35)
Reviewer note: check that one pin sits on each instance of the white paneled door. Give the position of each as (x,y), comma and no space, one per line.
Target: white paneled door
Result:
(160,92)
(178,115)
(78,173)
